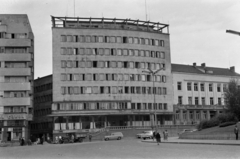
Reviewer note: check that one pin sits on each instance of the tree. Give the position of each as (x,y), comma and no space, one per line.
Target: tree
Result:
(232,97)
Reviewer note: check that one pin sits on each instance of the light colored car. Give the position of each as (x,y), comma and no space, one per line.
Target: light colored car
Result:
(114,136)
(145,135)
(186,131)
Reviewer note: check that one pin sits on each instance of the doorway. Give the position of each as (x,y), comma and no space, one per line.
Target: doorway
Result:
(9,136)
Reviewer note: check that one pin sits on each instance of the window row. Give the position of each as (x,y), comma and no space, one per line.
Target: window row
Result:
(15,94)
(112,39)
(43,87)
(40,126)
(109,106)
(15,109)
(196,87)
(112,64)
(220,101)
(185,115)
(111,77)
(112,52)
(42,112)
(13,50)
(113,90)
(43,98)
(4,35)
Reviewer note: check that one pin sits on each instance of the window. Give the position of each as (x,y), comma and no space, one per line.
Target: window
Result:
(161,43)
(210,87)
(195,86)
(125,39)
(179,85)
(126,90)
(164,79)
(224,87)
(63,38)
(136,41)
(219,101)
(211,101)
(202,87)
(189,86)
(196,101)
(130,40)
(203,101)
(219,87)
(190,100)
(165,106)
(180,100)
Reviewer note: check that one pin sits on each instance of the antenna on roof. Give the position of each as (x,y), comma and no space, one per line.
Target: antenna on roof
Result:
(146,9)
(74,7)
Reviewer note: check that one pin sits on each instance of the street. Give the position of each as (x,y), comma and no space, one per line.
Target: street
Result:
(126,148)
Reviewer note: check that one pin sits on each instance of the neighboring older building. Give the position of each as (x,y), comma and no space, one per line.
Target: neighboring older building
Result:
(16,76)
(98,78)
(199,91)
(42,125)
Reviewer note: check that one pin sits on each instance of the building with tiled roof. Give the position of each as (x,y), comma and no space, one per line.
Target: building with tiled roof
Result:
(199,91)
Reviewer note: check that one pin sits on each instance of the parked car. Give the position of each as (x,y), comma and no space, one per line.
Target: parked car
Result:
(186,131)
(145,135)
(114,136)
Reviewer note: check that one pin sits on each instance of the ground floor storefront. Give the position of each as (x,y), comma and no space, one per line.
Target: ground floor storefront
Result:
(186,115)
(92,123)
(13,130)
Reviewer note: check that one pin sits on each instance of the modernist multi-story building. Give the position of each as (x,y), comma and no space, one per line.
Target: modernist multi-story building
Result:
(42,124)
(16,76)
(199,91)
(100,74)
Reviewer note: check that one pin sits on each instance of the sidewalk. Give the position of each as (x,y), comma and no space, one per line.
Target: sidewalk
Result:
(175,140)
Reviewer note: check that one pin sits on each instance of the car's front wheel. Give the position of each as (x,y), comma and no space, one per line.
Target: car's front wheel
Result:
(119,138)
(144,138)
(106,139)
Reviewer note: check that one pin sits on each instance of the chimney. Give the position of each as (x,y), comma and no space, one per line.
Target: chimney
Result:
(203,65)
(194,64)
(232,69)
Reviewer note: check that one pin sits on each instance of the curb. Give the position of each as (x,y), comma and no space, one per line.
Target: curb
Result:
(199,143)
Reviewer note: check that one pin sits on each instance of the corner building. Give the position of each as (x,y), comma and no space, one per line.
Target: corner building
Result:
(199,92)
(16,76)
(98,78)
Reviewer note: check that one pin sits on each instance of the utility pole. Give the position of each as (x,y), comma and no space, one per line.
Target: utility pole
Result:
(153,73)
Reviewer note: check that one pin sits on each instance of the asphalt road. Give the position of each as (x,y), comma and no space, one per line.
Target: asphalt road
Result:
(126,148)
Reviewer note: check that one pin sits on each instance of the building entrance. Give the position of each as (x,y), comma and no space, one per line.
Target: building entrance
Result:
(9,136)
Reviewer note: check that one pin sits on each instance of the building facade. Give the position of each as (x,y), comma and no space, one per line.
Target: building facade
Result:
(199,91)
(16,76)
(101,74)
(42,125)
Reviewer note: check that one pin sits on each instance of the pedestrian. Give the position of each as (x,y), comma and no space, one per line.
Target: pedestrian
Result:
(23,141)
(154,135)
(158,137)
(90,137)
(236,132)
(20,141)
(56,140)
(166,135)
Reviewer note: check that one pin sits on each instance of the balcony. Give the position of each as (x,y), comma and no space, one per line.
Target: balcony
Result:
(15,57)
(15,42)
(15,101)
(15,86)
(15,71)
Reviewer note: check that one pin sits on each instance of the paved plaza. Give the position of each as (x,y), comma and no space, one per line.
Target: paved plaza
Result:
(126,148)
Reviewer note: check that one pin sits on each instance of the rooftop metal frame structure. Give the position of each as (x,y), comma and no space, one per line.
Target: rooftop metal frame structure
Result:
(59,22)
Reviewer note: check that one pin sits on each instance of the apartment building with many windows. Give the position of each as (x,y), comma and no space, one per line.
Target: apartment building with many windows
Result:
(199,91)
(16,76)
(99,73)
(42,125)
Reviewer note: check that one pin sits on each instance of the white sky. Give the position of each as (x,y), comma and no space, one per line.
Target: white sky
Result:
(197,27)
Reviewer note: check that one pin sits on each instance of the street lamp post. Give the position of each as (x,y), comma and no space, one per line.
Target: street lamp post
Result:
(153,73)
(233,32)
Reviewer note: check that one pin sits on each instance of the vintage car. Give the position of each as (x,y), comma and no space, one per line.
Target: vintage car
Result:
(145,135)
(114,136)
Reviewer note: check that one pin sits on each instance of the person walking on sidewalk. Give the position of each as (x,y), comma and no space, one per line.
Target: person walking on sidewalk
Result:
(90,137)
(154,135)
(158,137)
(236,132)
